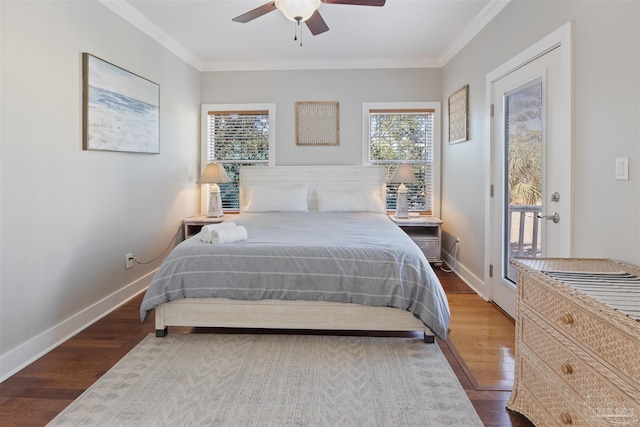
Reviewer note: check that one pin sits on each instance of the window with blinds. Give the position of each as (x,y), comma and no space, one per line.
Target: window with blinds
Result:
(404,136)
(237,139)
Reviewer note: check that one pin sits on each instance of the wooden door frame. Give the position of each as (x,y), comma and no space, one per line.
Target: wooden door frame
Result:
(562,38)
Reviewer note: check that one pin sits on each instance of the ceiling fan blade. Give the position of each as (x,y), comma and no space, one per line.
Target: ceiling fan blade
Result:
(316,24)
(256,13)
(356,2)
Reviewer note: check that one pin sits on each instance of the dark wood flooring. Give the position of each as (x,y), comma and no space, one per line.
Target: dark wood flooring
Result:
(35,395)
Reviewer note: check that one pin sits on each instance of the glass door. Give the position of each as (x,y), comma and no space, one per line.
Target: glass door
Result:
(530,172)
(523,142)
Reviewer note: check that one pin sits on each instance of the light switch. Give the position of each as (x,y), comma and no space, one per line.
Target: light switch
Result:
(622,169)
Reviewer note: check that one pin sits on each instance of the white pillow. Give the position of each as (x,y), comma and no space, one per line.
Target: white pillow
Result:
(269,199)
(349,201)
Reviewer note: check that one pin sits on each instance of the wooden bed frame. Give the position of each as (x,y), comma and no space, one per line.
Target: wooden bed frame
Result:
(277,314)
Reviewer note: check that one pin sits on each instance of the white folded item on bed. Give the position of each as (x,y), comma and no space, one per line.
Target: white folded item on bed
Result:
(207,232)
(229,235)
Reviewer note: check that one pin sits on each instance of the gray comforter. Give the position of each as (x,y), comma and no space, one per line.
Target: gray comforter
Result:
(352,257)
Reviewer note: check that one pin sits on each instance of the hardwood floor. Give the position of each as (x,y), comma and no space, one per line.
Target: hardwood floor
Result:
(479,349)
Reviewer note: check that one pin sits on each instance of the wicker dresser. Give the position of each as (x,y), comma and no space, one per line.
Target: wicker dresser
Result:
(577,358)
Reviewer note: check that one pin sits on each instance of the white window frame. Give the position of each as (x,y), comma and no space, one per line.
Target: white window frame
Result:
(204,136)
(437,123)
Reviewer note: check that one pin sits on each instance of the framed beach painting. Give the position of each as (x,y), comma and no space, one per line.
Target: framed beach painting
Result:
(121,110)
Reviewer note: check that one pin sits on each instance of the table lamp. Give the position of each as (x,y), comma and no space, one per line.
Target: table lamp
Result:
(213,174)
(403,175)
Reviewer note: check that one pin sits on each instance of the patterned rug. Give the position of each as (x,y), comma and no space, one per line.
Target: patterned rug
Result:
(275,380)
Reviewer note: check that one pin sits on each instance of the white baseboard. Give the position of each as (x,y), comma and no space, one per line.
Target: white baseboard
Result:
(473,281)
(27,353)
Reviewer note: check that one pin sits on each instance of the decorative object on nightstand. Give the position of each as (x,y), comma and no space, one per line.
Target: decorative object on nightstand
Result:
(403,175)
(213,174)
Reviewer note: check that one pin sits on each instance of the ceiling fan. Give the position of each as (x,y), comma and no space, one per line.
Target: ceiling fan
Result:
(302,11)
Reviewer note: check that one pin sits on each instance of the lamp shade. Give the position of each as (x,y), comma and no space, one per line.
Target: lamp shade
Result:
(404,175)
(298,10)
(214,173)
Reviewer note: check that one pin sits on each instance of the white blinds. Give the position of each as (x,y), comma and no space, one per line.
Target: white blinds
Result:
(397,136)
(236,139)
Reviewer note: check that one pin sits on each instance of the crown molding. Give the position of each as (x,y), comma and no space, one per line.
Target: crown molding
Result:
(131,14)
(338,64)
(479,22)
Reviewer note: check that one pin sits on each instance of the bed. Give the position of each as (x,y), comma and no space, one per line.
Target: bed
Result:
(329,258)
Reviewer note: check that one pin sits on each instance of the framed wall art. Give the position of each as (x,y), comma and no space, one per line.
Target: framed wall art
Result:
(459,115)
(121,110)
(317,123)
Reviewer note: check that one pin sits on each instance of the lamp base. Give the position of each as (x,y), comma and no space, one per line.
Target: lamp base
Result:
(402,210)
(215,205)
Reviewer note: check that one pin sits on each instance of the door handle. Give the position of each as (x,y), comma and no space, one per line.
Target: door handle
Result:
(555,217)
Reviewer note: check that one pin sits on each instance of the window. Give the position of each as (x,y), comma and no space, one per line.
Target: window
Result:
(394,133)
(237,136)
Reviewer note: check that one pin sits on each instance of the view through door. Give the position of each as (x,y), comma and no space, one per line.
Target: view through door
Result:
(531,171)
(523,124)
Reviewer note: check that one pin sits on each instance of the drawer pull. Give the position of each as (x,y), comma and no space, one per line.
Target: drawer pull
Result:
(566,419)
(567,369)
(567,319)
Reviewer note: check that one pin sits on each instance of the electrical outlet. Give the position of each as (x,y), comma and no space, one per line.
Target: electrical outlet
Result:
(128,261)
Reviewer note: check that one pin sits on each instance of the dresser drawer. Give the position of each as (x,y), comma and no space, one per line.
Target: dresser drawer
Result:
(597,390)
(615,349)
(537,398)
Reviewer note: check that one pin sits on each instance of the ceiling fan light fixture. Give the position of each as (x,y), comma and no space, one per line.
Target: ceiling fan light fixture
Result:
(297,10)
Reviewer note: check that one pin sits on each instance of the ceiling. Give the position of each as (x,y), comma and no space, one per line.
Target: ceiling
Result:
(401,34)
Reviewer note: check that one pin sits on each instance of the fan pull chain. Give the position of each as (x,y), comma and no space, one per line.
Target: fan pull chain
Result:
(297,30)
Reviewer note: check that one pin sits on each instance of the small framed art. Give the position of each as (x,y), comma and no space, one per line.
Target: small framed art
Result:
(459,115)
(317,123)
(121,110)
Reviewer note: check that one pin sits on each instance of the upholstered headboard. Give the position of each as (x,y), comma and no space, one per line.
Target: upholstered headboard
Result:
(333,178)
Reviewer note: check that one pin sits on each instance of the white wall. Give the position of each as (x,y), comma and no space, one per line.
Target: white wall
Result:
(607,108)
(349,87)
(69,216)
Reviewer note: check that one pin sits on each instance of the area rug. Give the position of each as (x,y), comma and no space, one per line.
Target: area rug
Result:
(275,380)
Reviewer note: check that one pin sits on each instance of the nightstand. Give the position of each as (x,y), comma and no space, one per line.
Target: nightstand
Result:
(193,224)
(426,232)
